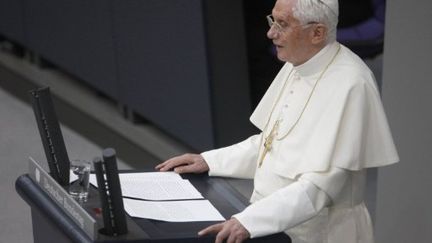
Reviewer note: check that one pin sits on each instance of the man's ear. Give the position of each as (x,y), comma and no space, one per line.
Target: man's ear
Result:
(319,34)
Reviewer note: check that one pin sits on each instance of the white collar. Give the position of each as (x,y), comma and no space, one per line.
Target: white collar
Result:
(318,61)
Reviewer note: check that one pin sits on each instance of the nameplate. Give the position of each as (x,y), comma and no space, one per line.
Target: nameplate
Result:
(61,197)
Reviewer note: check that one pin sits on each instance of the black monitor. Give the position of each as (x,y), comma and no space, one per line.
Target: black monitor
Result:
(51,135)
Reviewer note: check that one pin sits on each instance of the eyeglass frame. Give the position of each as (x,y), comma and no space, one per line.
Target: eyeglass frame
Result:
(279,29)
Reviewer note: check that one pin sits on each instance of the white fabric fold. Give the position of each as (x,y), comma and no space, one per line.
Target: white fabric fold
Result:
(241,162)
(276,213)
(284,209)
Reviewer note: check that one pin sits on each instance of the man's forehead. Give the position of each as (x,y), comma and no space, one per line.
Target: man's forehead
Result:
(283,9)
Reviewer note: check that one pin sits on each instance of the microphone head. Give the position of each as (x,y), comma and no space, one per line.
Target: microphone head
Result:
(108,153)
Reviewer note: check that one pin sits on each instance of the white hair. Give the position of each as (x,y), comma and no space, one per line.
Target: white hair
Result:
(307,11)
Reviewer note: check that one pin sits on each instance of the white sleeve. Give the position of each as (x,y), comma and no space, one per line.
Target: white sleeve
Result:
(238,160)
(293,204)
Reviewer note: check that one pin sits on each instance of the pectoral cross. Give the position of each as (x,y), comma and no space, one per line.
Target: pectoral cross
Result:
(268,142)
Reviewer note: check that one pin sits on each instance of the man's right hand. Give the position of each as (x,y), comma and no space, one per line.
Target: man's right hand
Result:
(186,163)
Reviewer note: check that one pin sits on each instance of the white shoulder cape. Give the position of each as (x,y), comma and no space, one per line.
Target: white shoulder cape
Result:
(343,126)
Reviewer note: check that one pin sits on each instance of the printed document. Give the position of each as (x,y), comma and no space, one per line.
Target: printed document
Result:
(173,211)
(158,186)
(161,192)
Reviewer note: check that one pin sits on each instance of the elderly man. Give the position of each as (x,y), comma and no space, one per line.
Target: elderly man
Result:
(322,126)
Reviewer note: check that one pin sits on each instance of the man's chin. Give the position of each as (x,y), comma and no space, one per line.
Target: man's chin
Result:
(281,57)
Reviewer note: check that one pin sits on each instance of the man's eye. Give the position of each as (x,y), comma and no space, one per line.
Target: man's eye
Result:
(283,24)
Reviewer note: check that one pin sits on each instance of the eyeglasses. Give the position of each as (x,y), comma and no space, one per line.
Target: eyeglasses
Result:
(278,27)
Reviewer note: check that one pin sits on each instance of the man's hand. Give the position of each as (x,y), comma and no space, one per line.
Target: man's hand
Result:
(186,163)
(231,230)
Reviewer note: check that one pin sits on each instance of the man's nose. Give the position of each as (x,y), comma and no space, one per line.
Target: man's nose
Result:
(272,33)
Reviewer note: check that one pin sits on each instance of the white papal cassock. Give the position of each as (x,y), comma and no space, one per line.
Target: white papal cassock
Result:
(311,183)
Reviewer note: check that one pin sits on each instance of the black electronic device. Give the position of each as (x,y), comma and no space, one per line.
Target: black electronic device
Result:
(108,181)
(51,135)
